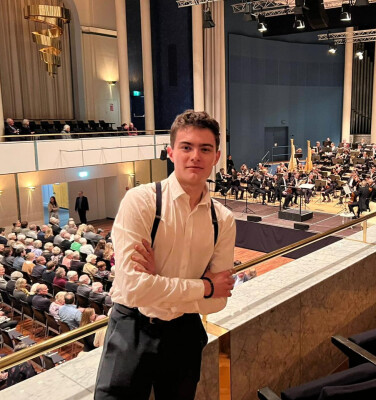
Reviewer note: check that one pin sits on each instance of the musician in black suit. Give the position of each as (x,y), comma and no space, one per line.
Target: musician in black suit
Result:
(282,190)
(235,185)
(256,182)
(363,194)
(82,205)
(220,184)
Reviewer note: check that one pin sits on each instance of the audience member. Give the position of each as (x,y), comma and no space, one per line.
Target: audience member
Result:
(102,272)
(91,235)
(3,239)
(19,259)
(67,259)
(90,268)
(76,263)
(57,256)
(28,265)
(32,293)
(68,313)
(20,292)
(71,285)
(40,267)
(47,252)
(60,279)
(54,222)
(59,238)
(24,227)
(111,277)
(9,128)
(84,288)
(37,248)
(97,293)
(66,243)
(8,258)
(86,248)
(48,274)
(40,301)
(11,284)
(66,132)
(25,128)
(57,304)
(88,316)
(76,245)
(49,236)
(16,227)
(3,282)
(32,232)
(100,248)
(41,233)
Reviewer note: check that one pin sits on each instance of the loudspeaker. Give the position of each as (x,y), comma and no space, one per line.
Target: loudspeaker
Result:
(254,218)
(302,227)
(315,14)
(163,155)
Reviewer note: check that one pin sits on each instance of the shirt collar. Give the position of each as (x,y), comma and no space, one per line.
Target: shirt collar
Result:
(178,191)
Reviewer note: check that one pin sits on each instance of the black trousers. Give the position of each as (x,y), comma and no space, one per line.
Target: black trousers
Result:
(82,215)
(139,353)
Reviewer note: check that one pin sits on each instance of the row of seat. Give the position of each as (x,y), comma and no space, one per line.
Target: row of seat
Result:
(356,383)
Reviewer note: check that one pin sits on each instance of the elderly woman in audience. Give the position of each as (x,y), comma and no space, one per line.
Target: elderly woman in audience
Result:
(20,292)
(100,248)
(11,284)
(47,252)
(71,228)
(89,268)
(56,304)
(28,265)
(29,244)
(60,278)
(37,248)
(57,256)
(32,293)
(67,258)
(76,245)
(86,248)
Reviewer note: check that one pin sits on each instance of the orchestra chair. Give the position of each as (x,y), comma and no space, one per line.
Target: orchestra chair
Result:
(358,382)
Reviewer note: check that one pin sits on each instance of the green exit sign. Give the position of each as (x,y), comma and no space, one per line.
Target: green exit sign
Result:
(136,93)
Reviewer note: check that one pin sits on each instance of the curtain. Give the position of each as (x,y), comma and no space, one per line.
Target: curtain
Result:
(215,75)
(27,89)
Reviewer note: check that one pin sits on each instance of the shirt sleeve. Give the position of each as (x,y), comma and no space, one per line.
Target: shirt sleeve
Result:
(132,224)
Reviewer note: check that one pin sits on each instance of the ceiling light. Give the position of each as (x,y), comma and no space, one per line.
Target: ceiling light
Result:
(262,26)
(332,49)
(345,15)
(359,54)
(248,13)
(208,20)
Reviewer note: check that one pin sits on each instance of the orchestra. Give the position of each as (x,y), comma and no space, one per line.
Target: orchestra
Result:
(346,172)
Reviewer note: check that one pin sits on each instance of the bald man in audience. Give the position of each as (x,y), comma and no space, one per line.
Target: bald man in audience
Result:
(40,301)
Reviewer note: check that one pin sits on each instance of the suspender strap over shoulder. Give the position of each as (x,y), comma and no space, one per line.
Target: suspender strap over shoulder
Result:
(158,214)
(158,211)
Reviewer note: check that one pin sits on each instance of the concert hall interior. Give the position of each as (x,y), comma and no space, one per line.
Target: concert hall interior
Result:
(88,92)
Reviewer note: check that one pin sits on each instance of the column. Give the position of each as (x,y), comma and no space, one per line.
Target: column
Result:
(198,59)
(1,117)
(147,65)
(373,121)
(347,83)
(122,44)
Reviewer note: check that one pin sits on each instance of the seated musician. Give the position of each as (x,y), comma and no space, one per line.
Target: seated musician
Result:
(257,187)
(284,190)
(360,199)
(221,184)
(318,148)
(309,192)
(329,189)
(235,184)
(268,183)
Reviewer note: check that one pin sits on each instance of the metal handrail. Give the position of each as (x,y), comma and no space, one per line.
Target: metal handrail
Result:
(76,334)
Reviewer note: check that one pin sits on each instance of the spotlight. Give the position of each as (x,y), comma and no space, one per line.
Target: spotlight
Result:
(359,54)
(262,26)
(299,23)
(208,20)
(345,15)
(248,13)
(332,49)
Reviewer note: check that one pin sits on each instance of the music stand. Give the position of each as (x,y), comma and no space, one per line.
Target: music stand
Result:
(247,209)
(225,203)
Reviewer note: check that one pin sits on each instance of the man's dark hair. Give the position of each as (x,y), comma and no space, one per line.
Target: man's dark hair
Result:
(24,224)
(198,119)
(7,252)
(50,265)
(18,252)
(69,298)
(2,230)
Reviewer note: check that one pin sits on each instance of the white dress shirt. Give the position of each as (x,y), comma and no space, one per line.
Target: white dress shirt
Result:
(183,248)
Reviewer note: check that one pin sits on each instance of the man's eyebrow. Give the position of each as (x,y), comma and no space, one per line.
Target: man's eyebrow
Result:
(201,145)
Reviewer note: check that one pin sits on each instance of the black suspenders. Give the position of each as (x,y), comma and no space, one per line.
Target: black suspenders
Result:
(158,214)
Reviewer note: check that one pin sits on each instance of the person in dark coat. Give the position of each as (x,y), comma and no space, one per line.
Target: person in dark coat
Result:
(82,205)
(363,194)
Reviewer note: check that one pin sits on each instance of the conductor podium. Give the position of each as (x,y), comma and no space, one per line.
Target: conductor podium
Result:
(297,215)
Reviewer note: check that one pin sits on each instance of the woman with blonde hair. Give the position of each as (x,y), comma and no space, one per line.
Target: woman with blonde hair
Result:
(49,235)
(55,305)
(32,293)
(88,316)
(81,230)
(56,255)
(109,254)
(20,292)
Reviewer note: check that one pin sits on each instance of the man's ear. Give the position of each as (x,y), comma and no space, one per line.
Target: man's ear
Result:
(217,156)
(170,152)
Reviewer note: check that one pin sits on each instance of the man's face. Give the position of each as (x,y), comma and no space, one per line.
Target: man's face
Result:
(11,122)
(2,271)
(80,194)
(194,155)
(43,290)
(42,261)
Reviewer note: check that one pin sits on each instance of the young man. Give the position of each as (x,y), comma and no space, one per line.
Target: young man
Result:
(155,336)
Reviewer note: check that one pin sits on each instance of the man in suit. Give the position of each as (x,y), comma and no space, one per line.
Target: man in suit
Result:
(71,285)
(97,293)
(82,205)
(10,129)
(76,264)
(3,239)
(84,289)
(41,302)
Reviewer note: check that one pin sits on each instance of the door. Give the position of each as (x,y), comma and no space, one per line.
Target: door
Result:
(276,143)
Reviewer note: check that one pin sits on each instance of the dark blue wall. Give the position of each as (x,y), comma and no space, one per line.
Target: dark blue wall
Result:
(288,81)
(172,61)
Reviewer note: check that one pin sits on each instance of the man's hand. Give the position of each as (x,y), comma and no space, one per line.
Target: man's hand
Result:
(144,258)
(223,283)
